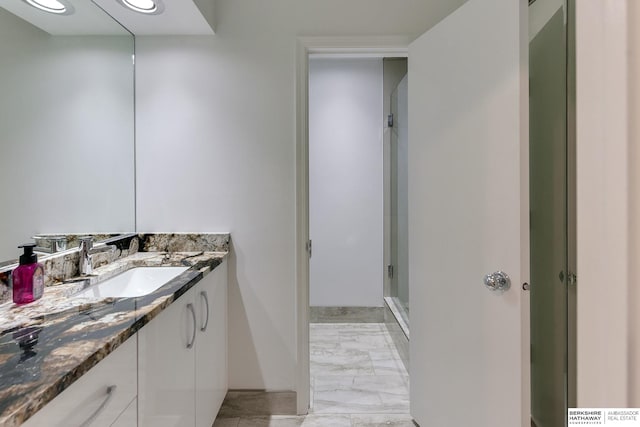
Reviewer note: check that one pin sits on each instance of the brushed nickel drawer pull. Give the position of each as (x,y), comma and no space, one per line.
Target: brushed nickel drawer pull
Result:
(203,294)
(195,325)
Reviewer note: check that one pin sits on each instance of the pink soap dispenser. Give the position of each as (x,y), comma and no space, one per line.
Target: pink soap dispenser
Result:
(28,278)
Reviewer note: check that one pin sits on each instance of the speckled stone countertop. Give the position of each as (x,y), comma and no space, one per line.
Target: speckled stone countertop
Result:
(48,344)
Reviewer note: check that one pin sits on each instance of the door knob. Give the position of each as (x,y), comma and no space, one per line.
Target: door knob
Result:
(498,281)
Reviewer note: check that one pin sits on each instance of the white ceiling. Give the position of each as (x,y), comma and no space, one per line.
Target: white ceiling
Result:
(86,19)
(179,17)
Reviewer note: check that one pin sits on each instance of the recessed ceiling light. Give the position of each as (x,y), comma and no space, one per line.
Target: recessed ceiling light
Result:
(149,7)
(59,7)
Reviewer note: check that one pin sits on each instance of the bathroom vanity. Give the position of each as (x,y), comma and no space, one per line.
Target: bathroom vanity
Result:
(159,358)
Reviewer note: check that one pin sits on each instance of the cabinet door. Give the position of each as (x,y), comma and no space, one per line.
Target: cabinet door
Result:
(166,395)
(211,346)
(99,396)
(129,418)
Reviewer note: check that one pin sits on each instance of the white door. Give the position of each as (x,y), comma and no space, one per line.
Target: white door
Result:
(211,345)
(467,166)
(166,365)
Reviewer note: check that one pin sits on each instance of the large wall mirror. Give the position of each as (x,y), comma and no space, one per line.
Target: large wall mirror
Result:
(66,123)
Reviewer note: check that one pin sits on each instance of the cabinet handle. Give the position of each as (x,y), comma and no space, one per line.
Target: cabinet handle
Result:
(195,325)
(110,392)
(203,294)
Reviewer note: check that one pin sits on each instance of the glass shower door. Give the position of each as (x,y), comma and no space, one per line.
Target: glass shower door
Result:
(399,280)
(552,218)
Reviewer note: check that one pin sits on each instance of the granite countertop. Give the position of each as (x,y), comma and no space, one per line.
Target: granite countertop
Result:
(48,344)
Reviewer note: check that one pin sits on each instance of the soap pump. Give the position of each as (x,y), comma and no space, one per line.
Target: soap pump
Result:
(28,278)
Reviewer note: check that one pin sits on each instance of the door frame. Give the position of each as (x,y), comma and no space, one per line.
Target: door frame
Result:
(389,46)
(392,46)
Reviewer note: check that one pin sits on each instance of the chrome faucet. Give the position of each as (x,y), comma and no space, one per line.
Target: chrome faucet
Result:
(50,244)
(86,244)
(85,267)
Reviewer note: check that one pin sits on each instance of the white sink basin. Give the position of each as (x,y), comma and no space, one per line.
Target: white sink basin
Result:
(136,282)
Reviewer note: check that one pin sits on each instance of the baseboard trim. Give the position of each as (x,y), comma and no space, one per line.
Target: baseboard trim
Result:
(346,314)
(247,403)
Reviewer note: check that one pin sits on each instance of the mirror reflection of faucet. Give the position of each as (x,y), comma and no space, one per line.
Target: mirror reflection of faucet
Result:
(86,250)
(50,244)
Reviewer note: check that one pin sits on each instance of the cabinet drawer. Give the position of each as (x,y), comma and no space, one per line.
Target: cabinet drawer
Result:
(89,397)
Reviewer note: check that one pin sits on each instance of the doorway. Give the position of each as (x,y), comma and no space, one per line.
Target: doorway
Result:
(454,116)
(355,367)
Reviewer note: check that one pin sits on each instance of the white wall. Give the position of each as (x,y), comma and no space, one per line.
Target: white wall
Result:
(66,120)
(634,213)
(216,151)
(345,181)
(602,204)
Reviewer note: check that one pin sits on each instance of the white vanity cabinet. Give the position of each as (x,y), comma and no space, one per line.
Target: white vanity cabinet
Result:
(99,398)
(182,357)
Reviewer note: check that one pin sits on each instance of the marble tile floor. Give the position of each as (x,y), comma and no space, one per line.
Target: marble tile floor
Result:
(357,380)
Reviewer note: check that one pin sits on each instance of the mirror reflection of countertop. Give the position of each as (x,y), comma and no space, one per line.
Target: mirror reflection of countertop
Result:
(48,344)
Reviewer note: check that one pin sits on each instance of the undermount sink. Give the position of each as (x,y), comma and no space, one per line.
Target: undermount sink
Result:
(135,282)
